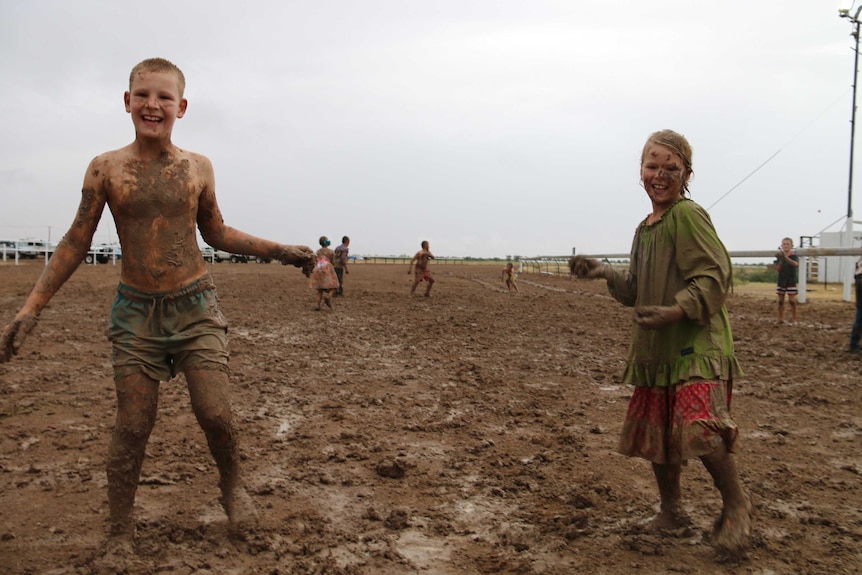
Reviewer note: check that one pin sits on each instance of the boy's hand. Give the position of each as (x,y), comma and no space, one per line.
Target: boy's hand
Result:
(14,335)
(299,256)
(658,316)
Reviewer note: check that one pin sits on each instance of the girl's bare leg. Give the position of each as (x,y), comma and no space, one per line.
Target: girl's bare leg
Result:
(733,527)
(670,514)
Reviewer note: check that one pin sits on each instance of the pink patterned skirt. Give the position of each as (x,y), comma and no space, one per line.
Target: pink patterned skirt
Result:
(323,276)
(669,425)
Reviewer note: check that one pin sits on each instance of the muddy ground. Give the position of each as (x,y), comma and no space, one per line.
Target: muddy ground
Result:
(468,433)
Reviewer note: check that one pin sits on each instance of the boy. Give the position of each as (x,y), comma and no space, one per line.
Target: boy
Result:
(421,260)
(166,317)
(787,264)
(342,255)
(508,276)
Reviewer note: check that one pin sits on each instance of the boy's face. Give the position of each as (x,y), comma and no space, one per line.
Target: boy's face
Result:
(786,245)
(154,101)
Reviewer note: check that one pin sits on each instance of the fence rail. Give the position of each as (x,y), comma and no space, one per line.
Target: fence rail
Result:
(559,265)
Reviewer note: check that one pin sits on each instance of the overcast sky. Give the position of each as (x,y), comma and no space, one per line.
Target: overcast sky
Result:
(489,128)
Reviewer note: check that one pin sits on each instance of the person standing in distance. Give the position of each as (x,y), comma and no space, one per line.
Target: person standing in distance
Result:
(787,264)
(342,255)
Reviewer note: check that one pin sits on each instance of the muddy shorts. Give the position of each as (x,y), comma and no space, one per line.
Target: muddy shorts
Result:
(423,275)
(162,334)
(788,289)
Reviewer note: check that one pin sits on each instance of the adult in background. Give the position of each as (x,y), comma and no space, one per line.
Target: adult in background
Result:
(681,359)
(787,264)
(342,254)
(856,333)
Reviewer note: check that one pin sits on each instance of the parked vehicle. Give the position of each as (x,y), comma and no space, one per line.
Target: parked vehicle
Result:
(33,249)
(213,255)
(103,253)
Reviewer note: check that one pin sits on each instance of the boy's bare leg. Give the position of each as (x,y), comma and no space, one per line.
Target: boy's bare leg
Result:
(413,288)
(208,390)
(733,527)
(430,284)
(670,514)
(792,300)
(780,309)
(137,404)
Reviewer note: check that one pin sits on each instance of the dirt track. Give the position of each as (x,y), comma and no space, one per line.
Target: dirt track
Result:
(469,433)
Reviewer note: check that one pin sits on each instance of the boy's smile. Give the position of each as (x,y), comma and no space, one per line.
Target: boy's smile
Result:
(154,101)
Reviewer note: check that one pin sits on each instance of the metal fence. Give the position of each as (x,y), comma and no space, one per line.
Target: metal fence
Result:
(559,265)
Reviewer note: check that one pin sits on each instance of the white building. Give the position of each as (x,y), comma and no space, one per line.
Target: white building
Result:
(836,269)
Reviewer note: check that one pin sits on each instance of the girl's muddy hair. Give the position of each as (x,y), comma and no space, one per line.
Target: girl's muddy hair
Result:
(159,65)
(676,143)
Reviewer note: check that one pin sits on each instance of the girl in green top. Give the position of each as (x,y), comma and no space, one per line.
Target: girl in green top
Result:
(681,358)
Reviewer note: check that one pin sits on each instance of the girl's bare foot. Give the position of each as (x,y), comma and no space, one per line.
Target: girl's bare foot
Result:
(732,530)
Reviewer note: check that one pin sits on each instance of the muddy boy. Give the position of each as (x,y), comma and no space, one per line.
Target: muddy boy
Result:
(166,318)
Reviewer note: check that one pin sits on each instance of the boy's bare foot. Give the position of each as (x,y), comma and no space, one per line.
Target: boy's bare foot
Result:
(117,555)
(241,512)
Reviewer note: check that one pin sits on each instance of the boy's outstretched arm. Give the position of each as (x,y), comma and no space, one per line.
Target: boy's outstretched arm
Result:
(223,237)
(67,257)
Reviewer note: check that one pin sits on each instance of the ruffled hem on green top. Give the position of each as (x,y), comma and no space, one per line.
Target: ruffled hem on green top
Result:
(664,374)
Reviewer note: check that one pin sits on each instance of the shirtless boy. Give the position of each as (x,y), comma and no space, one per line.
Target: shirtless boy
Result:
(508,276)
(166,317)
(421,271)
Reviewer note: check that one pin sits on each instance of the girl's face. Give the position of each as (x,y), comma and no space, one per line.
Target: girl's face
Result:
(663,174)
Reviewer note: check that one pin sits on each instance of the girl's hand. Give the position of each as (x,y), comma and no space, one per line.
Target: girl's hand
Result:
(658,316)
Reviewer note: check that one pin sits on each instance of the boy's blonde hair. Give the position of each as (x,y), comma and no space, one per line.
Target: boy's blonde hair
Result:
(159,65)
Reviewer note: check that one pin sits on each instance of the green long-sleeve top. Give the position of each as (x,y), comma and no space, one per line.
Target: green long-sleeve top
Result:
(679,260)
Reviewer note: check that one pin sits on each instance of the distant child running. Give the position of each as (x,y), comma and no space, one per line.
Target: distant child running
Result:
(323,277)
(421,272)
(787,264)
(508,277)
(166,317)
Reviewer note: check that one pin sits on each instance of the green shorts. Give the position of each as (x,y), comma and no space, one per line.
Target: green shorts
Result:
(162,334)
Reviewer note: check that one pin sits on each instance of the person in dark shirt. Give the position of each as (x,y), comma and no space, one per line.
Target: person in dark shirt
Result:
(787,264)
(856,333)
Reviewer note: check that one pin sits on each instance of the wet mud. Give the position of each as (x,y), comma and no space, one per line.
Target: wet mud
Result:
(471,432)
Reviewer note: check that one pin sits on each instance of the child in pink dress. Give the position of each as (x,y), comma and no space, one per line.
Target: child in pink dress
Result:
(323,277)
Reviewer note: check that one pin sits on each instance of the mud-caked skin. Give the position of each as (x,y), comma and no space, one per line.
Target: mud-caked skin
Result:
(159,195)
